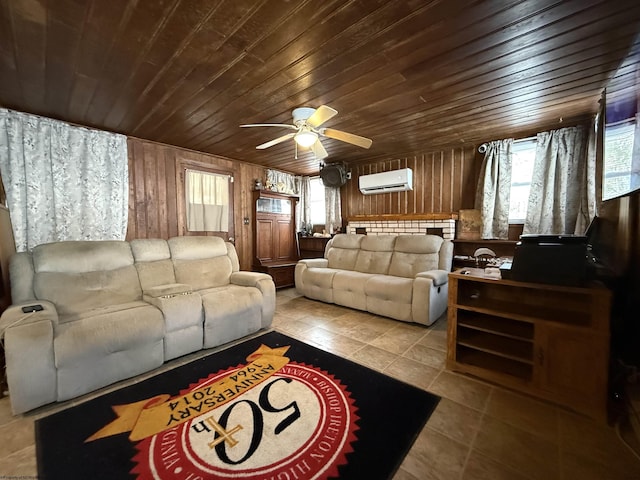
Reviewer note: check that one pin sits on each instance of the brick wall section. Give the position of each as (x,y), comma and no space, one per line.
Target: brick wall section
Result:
(405,227)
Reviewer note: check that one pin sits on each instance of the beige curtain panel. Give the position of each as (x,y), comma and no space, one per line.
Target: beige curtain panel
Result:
(207,202)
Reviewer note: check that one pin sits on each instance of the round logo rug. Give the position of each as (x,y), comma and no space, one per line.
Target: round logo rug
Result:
(268,419)
(297,424)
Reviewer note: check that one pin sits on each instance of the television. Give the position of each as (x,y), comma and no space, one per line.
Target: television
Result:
(621,150)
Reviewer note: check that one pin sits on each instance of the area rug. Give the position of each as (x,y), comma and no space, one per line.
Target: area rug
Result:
(269,408)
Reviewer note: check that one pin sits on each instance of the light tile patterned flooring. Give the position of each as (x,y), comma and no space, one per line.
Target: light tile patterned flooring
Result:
(478,431)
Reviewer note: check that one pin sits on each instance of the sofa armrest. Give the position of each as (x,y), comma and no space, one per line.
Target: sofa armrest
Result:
(314,262)
(248,279)
(14,315)
(267,287)
(439,277)
(28,345)
(168,290)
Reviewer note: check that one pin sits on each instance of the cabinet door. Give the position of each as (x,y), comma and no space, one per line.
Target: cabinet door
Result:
(573,363)
(285,246)
(265,239)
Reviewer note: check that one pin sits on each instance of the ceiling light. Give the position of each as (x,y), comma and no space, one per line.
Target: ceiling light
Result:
(305,138)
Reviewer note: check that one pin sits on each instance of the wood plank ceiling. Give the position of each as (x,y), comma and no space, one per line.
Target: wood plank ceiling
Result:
(414,76)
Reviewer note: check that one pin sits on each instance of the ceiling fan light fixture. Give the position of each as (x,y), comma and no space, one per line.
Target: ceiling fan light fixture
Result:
(305,138)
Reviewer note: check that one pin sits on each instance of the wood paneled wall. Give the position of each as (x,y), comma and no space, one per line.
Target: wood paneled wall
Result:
(443,182)
(153,200)
(618,245)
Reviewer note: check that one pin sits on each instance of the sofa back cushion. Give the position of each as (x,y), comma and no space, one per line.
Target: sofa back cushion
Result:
(415,253)
(153,262)
(375,254)
(82,275)
(202,262)
(342,251)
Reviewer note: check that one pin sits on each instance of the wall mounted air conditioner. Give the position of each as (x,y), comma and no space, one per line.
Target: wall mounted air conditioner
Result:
(393,181)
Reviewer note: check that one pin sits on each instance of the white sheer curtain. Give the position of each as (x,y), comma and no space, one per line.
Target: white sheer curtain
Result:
(494,189)
(303,215)
(557,183)
(333,207)
(207,202)
(62,182)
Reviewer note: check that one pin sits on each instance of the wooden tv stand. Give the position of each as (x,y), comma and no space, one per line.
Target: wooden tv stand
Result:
(549,341)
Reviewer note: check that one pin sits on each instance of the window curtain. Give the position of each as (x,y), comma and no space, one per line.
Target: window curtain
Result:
(303,215)
(494,189)
(557,183)
(588,193)
(281,182)
(332,208)
(207,202)
(62,182)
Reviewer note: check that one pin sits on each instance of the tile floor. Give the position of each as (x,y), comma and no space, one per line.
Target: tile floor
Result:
(478,431)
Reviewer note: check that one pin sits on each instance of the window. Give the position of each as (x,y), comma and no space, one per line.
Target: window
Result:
(618,148)
(207,201)
(524,155)
(204,199)
(317,201)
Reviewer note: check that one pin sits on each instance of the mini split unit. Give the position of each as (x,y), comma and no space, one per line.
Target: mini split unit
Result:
(393,181)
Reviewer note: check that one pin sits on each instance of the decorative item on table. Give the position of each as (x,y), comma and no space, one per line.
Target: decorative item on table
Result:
(492,272)
(484,257)
(258,184)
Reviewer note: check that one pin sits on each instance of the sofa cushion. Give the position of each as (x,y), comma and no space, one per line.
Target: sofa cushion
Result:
(154,274)
(318,283)
(348,289)
(375,254)
(196,248)
(386,287)
(100,333)
(73,293)
(414,254)
(201,262)
(153,262)
(150,249)
(81,256)
(342,251)
(390,296)
(230,312)
(83,275)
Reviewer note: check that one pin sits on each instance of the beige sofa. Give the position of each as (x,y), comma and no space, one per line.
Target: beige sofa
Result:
(398,276)
(111,310)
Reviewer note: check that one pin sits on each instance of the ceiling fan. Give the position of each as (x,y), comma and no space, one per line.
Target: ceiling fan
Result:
(306,123)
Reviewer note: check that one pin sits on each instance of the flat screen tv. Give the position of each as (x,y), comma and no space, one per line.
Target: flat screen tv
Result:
(621,151)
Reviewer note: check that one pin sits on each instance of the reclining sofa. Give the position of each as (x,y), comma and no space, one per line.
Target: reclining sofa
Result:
(86,314)
(404,277)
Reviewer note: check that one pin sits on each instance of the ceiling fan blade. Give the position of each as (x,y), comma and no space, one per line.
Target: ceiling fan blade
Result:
(347,137)
(275,141)
(321,115)
(283,125)
(318,150)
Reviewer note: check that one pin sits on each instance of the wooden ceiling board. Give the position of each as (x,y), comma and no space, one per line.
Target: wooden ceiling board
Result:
(414,76)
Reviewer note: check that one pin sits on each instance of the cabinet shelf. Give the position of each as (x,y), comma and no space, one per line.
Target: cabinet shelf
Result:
(529,313)
(496,325)
(498,345)
(477,358)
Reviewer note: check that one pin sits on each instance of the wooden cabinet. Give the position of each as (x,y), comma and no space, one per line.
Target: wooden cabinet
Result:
(312,247)
(275,247)
(546,340)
